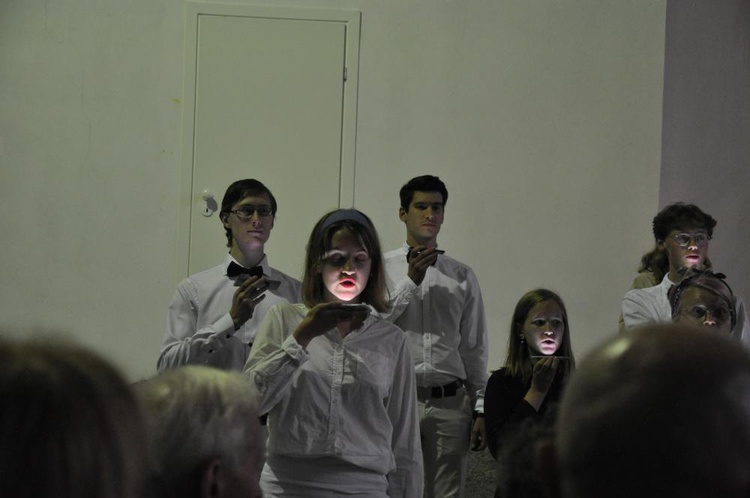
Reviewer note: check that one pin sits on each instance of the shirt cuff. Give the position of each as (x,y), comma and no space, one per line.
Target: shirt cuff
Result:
(293,349)
(224,329)
(479,405)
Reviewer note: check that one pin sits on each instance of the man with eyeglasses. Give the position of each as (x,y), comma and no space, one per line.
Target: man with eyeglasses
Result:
(214,314)
(682,233)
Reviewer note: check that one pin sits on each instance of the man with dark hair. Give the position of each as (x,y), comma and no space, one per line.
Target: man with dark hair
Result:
(214,314)
(661,411)
(682,233)
(437,302)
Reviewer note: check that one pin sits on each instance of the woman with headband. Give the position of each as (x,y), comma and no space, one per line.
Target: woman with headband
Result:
(335,379)
(703,298)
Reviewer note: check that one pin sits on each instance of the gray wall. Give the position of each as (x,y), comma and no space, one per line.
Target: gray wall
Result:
(706,133)
(544,118)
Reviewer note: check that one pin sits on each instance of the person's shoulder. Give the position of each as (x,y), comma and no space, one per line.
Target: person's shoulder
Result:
(644,280)
(204,275)
(500,373)
(455,267)
(502,379)
(283,277)
(394,253)
(643,293)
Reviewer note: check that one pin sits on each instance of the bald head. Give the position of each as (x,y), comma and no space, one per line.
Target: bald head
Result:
(661,411)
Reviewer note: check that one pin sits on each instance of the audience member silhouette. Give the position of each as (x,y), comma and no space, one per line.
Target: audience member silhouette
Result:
(70,426)
(204,433)
(661,411)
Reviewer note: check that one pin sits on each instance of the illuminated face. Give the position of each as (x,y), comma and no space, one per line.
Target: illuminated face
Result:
(345,268)
(702,307)
(544,328)
(249,232)
(423,219)
(693,254)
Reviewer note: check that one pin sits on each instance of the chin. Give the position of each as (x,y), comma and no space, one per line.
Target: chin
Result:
(346,298)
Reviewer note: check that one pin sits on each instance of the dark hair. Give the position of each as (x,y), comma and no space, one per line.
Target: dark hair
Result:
(707,280)
(518,362)
(70,427)
(673,217)
(238,191)
(519,472)
(424,183)
(679,216)
(313,289)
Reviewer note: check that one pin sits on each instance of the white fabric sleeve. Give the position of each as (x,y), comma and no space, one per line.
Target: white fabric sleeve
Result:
(275,357)
(184,344)
(407,480)
(473,345)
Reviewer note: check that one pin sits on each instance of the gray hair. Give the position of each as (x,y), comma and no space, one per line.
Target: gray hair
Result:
(197,414)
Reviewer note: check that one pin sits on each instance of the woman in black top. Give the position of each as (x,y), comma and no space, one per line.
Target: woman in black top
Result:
(540,358)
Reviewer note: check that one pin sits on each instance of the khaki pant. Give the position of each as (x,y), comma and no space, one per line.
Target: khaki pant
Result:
(445,428)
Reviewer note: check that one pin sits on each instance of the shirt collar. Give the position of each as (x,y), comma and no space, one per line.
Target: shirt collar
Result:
(263,264)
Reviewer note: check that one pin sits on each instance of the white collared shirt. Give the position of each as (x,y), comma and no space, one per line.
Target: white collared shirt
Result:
(200,329)
(444,321)
(651,305)
(352,398)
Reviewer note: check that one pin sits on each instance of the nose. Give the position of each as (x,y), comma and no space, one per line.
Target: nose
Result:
(348,266)
(255,219)
(710,320)
(549,332)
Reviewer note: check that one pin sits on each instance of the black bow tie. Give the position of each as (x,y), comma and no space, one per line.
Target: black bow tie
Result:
(234,270)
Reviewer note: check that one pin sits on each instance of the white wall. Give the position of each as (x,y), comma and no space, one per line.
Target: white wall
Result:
(543,117)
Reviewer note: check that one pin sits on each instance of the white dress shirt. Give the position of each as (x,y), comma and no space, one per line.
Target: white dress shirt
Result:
(651,305)
(352,398)
(199,327)
(444,321)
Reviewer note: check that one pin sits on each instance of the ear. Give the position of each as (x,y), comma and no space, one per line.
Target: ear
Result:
(402,214)
(224,217)
(546,458)
(211,485)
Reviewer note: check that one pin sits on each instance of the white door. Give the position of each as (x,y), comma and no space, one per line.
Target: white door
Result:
(273,97)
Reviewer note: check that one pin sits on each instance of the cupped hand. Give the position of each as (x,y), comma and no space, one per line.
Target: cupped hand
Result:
(420,259)
(246,298)
(325,316)
(544,373)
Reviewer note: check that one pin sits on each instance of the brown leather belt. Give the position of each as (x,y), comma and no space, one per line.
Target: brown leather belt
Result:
(440,391)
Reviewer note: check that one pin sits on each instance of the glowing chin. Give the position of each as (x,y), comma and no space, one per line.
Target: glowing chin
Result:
(345,294)
(548,348)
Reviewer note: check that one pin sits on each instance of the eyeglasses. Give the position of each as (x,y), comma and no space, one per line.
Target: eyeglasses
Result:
(683,239)
(699,313)
(246,211)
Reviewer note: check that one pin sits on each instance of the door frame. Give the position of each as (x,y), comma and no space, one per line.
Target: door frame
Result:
(190,200)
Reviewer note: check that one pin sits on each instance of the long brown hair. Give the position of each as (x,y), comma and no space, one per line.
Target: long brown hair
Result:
(313,289)
(518,362)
